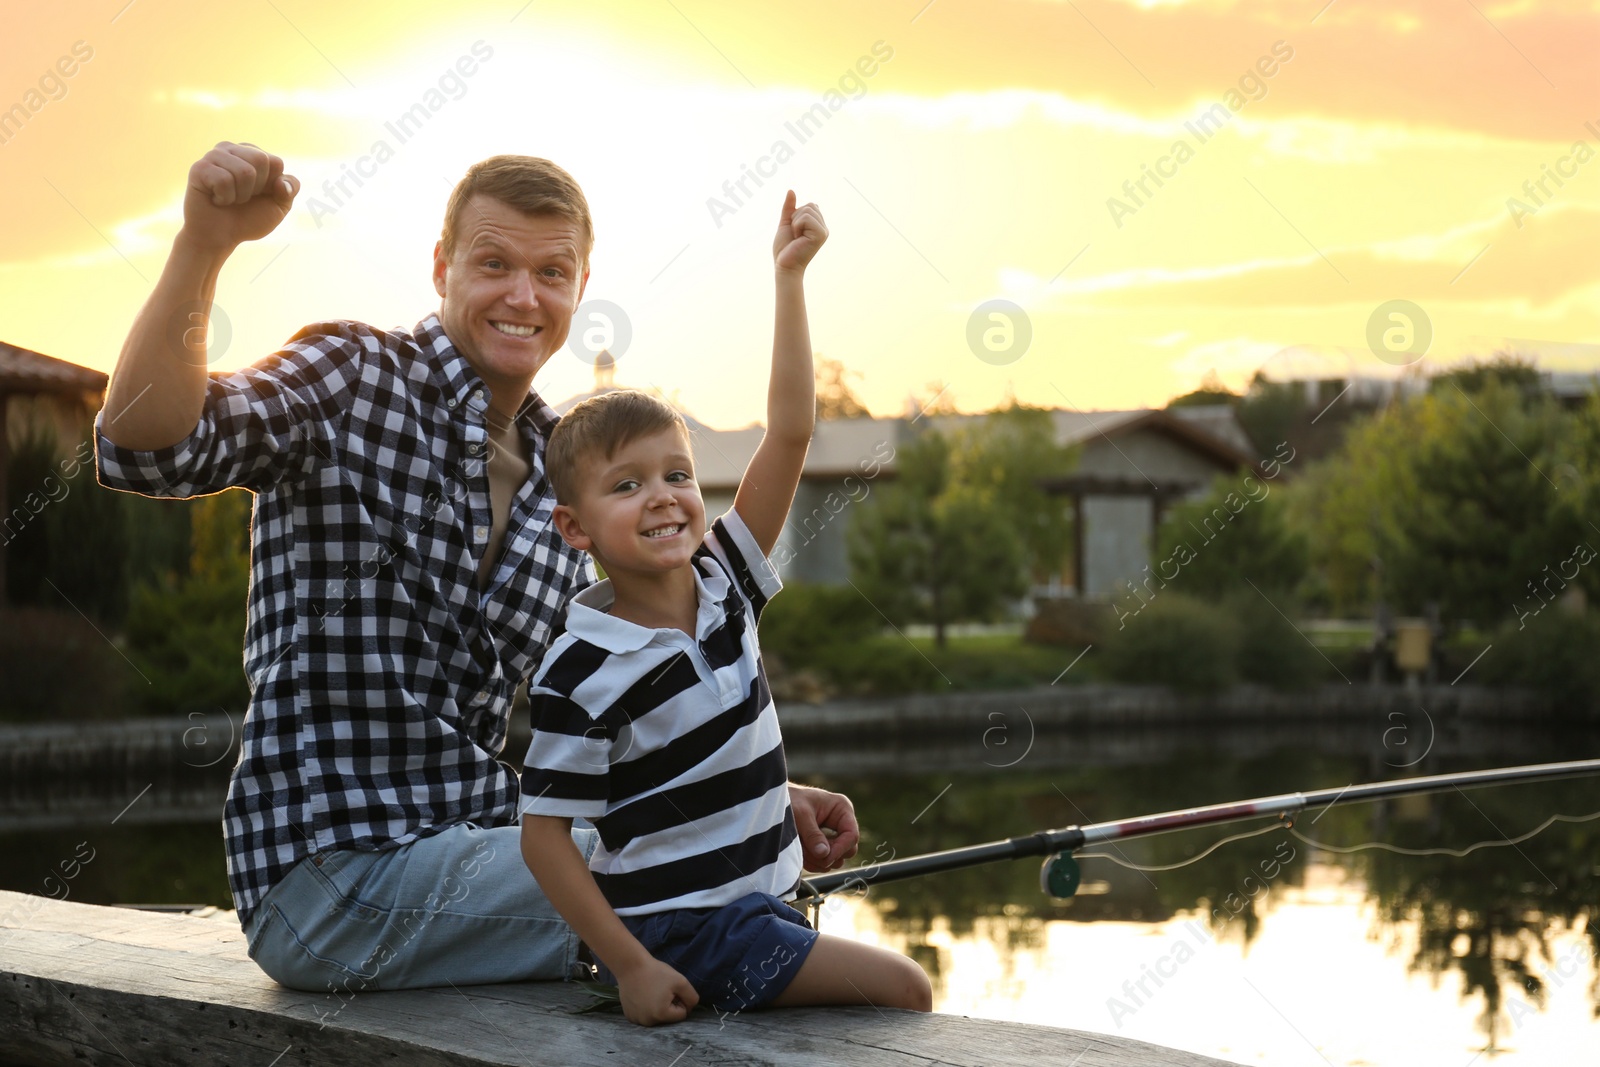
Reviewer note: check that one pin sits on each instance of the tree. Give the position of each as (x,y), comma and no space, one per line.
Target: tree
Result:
(1468,499)
(1315,423)
(937,398)
(835,398)
(1237,533)
(1211,392)
(1578,473)
(1503,368)
(932,549)
(1011,451)
(1271,412)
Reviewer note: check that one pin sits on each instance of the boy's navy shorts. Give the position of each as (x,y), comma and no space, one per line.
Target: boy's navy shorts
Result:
(739,956)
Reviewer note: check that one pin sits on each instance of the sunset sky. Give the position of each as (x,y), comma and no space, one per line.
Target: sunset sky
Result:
(977,161)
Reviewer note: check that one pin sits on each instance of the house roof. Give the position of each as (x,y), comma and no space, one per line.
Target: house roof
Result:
(1218,420)
(1218,435)
(1198,435)
(23,370)
(841,447)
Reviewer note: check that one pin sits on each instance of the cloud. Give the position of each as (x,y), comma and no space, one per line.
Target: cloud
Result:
(1235,359)
(131,237)
(1546,261)
(349,104)
(1516,71)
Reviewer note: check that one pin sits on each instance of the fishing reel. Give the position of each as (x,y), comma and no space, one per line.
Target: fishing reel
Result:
(1060,876)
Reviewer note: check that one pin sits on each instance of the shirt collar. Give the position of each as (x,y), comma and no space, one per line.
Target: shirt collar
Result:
(460,388)
(589,618)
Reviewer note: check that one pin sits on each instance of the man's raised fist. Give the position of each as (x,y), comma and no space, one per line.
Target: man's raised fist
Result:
(236,193)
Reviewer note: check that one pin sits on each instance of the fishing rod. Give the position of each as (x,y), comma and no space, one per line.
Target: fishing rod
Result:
(1059,876)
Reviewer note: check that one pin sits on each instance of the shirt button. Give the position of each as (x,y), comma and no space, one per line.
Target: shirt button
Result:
(482,696)
(481,533)
(451,403)
(472,450)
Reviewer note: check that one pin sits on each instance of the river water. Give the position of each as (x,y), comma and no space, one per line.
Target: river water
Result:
(1299,945)
(1277,948)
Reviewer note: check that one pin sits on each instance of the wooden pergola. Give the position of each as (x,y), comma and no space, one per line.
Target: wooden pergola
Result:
(1133,483)
(1079,486)
(24,372)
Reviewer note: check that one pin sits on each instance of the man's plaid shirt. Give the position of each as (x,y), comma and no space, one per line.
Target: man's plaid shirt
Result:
(380,677)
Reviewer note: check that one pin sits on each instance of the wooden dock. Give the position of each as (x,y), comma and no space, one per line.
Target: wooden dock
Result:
(81,984)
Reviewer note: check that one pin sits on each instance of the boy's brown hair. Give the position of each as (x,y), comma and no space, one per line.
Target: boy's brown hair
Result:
(532,185)
(601,425)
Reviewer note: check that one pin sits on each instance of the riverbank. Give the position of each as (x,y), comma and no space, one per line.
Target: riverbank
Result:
(167,769)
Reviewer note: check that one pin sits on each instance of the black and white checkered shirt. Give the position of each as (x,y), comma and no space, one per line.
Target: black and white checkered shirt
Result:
(380,676)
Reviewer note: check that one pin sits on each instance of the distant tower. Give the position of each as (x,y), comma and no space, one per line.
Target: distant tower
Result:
(605,371)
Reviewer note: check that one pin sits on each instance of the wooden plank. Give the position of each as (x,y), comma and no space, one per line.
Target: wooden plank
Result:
(81,984)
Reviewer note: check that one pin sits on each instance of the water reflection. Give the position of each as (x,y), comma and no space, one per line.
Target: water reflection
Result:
(1490,918)
(1509,935)
(1491,915)
(120,864)
(1323,983)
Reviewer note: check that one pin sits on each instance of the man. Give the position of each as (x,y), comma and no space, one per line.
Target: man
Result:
(405,577)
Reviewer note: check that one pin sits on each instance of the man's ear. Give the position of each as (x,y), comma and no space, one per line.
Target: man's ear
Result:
(440,265)
(570,529)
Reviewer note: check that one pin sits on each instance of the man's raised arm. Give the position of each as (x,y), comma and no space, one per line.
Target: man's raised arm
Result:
(236,193)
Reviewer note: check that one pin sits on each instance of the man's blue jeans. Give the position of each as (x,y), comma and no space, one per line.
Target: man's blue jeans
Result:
(458,908)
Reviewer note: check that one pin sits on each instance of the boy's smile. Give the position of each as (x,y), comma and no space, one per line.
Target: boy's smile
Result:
(640,511)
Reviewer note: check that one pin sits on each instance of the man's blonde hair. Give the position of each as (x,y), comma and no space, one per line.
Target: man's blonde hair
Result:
(599,426)
(532,185)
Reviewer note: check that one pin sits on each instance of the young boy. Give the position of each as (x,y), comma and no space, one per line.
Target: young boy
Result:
(652,716)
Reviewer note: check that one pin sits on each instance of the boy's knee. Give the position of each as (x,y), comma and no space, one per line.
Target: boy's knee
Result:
(916,990)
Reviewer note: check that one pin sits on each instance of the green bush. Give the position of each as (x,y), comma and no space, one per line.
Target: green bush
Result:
(879,666)
(1002,662)
(832,631)
(1174,641)
(74,545)
(806,619)
(1554,652)
(187,635)
(56,666)
(1270,651)
(33,485)
(188,639)
(890,663)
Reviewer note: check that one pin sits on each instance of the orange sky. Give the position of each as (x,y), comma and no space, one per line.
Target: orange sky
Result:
(976,162)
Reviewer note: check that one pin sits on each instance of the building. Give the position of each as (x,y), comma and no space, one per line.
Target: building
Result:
(1132,465)
(39,393)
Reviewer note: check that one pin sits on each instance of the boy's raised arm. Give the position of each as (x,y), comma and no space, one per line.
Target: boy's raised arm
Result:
(236,193)
(767,489)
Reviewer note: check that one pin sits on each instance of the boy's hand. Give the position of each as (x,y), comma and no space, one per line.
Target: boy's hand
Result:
(654,993)
(816,811)
(800,233)
(236,193)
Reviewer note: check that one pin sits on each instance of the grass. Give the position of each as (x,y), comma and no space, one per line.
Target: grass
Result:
(889,663)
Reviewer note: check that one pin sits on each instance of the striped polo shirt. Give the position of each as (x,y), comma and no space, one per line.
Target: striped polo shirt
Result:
(669,743)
